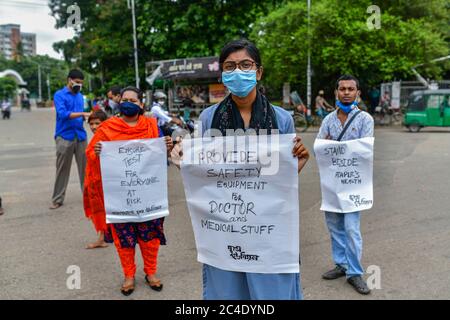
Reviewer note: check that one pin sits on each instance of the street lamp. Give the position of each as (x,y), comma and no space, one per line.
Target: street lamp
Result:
(136,65)
(39,83)
(48,86)
(39,79)
(308,69)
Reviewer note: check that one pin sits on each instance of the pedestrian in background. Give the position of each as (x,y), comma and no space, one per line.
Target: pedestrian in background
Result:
(6,109)
(70,136)
(1,208)
(374,99)
(113,100)
(322,106)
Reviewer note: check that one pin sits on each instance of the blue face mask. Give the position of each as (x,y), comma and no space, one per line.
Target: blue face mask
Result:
(346,107)
(239,83)
(129,109)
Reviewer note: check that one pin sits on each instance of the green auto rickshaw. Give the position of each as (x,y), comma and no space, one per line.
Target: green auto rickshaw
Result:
(427,108)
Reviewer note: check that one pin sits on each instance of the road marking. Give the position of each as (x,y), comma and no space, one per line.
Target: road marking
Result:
(19,144)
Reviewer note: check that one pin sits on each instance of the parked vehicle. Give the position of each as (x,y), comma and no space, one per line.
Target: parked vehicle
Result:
(427,108)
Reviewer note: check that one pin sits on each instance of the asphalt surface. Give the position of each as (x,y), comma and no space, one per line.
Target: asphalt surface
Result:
(406,234)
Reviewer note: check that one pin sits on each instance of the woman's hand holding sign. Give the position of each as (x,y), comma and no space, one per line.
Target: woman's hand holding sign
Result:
(167,140)
(300,152)
(98,148)
(177,153)
(169,143)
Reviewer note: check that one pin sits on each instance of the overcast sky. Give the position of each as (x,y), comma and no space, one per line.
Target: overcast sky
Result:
(34,16)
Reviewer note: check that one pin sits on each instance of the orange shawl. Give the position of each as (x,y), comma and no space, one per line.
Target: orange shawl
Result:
(112,129)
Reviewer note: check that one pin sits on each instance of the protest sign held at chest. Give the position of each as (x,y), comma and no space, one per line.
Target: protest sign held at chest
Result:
(134,177)
(346,174)
(243,202)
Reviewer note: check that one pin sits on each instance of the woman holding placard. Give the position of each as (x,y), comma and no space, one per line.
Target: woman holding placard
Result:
(129,125)
(247,109)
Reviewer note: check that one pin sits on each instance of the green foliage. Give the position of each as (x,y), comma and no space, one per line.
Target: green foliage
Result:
(27,67)
(411,33)
(7,87)
(103,45)
(187,28)
(166,30)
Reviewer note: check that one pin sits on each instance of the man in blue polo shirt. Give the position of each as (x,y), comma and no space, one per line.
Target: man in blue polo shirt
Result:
(70,136)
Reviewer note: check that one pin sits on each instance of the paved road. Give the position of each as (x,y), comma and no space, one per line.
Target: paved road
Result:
(406,234)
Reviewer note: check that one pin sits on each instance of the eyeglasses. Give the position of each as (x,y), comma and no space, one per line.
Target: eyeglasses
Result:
(244,65)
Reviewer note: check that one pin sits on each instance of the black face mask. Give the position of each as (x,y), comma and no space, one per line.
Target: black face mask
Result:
(76,87)
(130,109)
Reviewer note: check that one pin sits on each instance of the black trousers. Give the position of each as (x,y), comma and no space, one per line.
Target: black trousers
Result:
(6,114)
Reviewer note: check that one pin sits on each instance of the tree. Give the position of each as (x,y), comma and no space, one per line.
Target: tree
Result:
(195,28)
(342,43)
(166,29)
(27,67)
(7,88)
(103,44)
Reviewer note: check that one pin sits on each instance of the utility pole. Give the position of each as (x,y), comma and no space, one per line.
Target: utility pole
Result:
(39,80)
(90,83)
(39,83)
(136,64)
(420,78)
(48,86)
(308,70)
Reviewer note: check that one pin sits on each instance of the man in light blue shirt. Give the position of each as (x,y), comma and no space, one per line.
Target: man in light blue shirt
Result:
(70,136)
(344,228)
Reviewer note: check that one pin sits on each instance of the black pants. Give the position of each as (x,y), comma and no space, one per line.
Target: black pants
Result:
(6,114)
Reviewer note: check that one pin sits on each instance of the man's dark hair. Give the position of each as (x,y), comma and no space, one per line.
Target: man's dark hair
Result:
(347,77)
(98,114)
(238,45)
(75,74)
(139,92)
(115,90)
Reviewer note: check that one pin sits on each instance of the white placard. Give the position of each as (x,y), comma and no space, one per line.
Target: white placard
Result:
(346,174)
(242,195)
(134,178)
